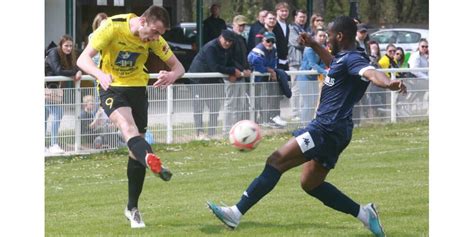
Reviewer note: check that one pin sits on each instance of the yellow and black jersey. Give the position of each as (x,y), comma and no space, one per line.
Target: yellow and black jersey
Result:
(123,55)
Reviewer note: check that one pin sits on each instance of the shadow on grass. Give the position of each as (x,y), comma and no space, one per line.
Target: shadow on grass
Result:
(275,227)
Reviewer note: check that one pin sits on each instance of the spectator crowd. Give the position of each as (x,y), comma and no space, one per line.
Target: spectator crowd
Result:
(271,46)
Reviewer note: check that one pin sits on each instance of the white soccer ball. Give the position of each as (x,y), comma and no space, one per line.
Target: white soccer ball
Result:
(245,135)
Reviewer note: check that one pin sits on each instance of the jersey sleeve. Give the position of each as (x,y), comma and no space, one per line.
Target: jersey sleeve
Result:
(102,36)
(161,49)
(357,64)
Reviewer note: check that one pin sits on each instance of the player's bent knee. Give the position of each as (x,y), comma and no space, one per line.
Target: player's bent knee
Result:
(308,184)
(275,160)
(129,131)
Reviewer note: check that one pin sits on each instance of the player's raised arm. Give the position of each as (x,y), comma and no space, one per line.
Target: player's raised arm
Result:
(307,40)
(381,80)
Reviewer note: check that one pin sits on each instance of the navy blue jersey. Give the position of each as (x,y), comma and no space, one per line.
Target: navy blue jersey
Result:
(343,86)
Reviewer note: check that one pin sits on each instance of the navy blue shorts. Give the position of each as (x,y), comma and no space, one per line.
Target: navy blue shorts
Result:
(324,143)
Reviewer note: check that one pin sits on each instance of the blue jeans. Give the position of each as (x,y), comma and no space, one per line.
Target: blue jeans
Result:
(57,112)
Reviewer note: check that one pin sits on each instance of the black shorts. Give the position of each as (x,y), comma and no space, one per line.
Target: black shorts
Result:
(134,97)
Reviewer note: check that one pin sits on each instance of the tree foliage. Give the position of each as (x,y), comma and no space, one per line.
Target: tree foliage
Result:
(375,12)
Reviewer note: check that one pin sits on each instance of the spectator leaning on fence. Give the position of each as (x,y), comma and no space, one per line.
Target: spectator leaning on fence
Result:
(60,61)
(295,55)
(215,56)
(420,58)
(235,103)
(274,104)
(125,42)
(263,59)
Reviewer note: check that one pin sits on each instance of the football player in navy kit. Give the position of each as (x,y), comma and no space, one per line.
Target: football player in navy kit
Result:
(317,146)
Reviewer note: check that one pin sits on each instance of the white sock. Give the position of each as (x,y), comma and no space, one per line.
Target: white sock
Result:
(363,216)
(236,211)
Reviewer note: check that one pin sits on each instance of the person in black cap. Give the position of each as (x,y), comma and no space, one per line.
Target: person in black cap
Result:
(362,37)
(236,105)
(263,58)
(215,56)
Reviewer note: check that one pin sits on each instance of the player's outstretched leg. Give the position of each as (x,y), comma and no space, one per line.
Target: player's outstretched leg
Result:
(154,163)
(230,216)
(260,187)
(144,154)
(373,222)
(134,217)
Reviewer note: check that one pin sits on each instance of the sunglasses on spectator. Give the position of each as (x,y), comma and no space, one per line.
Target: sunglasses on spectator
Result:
(269,41)
(424,46)
(319,19)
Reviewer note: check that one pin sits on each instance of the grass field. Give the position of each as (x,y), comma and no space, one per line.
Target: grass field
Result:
(384,164)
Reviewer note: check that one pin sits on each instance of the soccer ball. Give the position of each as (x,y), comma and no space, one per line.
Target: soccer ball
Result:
(245,135)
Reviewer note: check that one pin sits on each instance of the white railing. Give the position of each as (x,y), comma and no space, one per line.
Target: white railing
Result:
(177,101)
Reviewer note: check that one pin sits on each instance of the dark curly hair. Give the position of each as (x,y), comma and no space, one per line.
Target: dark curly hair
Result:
(346,25)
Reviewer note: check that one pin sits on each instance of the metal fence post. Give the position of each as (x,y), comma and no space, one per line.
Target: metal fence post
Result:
(393,102)
(169,114)
(252,98)
(77,112)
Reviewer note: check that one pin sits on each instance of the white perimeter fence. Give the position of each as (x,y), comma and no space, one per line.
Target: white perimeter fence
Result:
(171,118)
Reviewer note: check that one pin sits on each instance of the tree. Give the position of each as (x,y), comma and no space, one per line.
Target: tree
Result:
(374,12)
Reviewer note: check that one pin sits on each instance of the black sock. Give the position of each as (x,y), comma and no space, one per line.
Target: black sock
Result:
(261,185)
(335,199)
(139,148)
(136,178)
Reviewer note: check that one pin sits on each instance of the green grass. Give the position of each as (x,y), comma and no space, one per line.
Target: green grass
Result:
(384,164)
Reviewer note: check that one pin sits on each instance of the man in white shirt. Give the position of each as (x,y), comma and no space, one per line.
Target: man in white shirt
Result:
(282,33)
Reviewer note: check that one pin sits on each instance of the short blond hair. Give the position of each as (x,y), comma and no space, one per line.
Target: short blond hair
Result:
(87,99)
(281,5)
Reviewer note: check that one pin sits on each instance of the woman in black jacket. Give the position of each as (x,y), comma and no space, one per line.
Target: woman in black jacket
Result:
(60,61)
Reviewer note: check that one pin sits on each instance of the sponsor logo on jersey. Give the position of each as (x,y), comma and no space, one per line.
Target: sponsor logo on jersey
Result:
(329,81)
(126,59)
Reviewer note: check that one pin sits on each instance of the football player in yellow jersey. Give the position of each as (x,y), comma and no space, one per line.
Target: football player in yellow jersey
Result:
(124,42)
